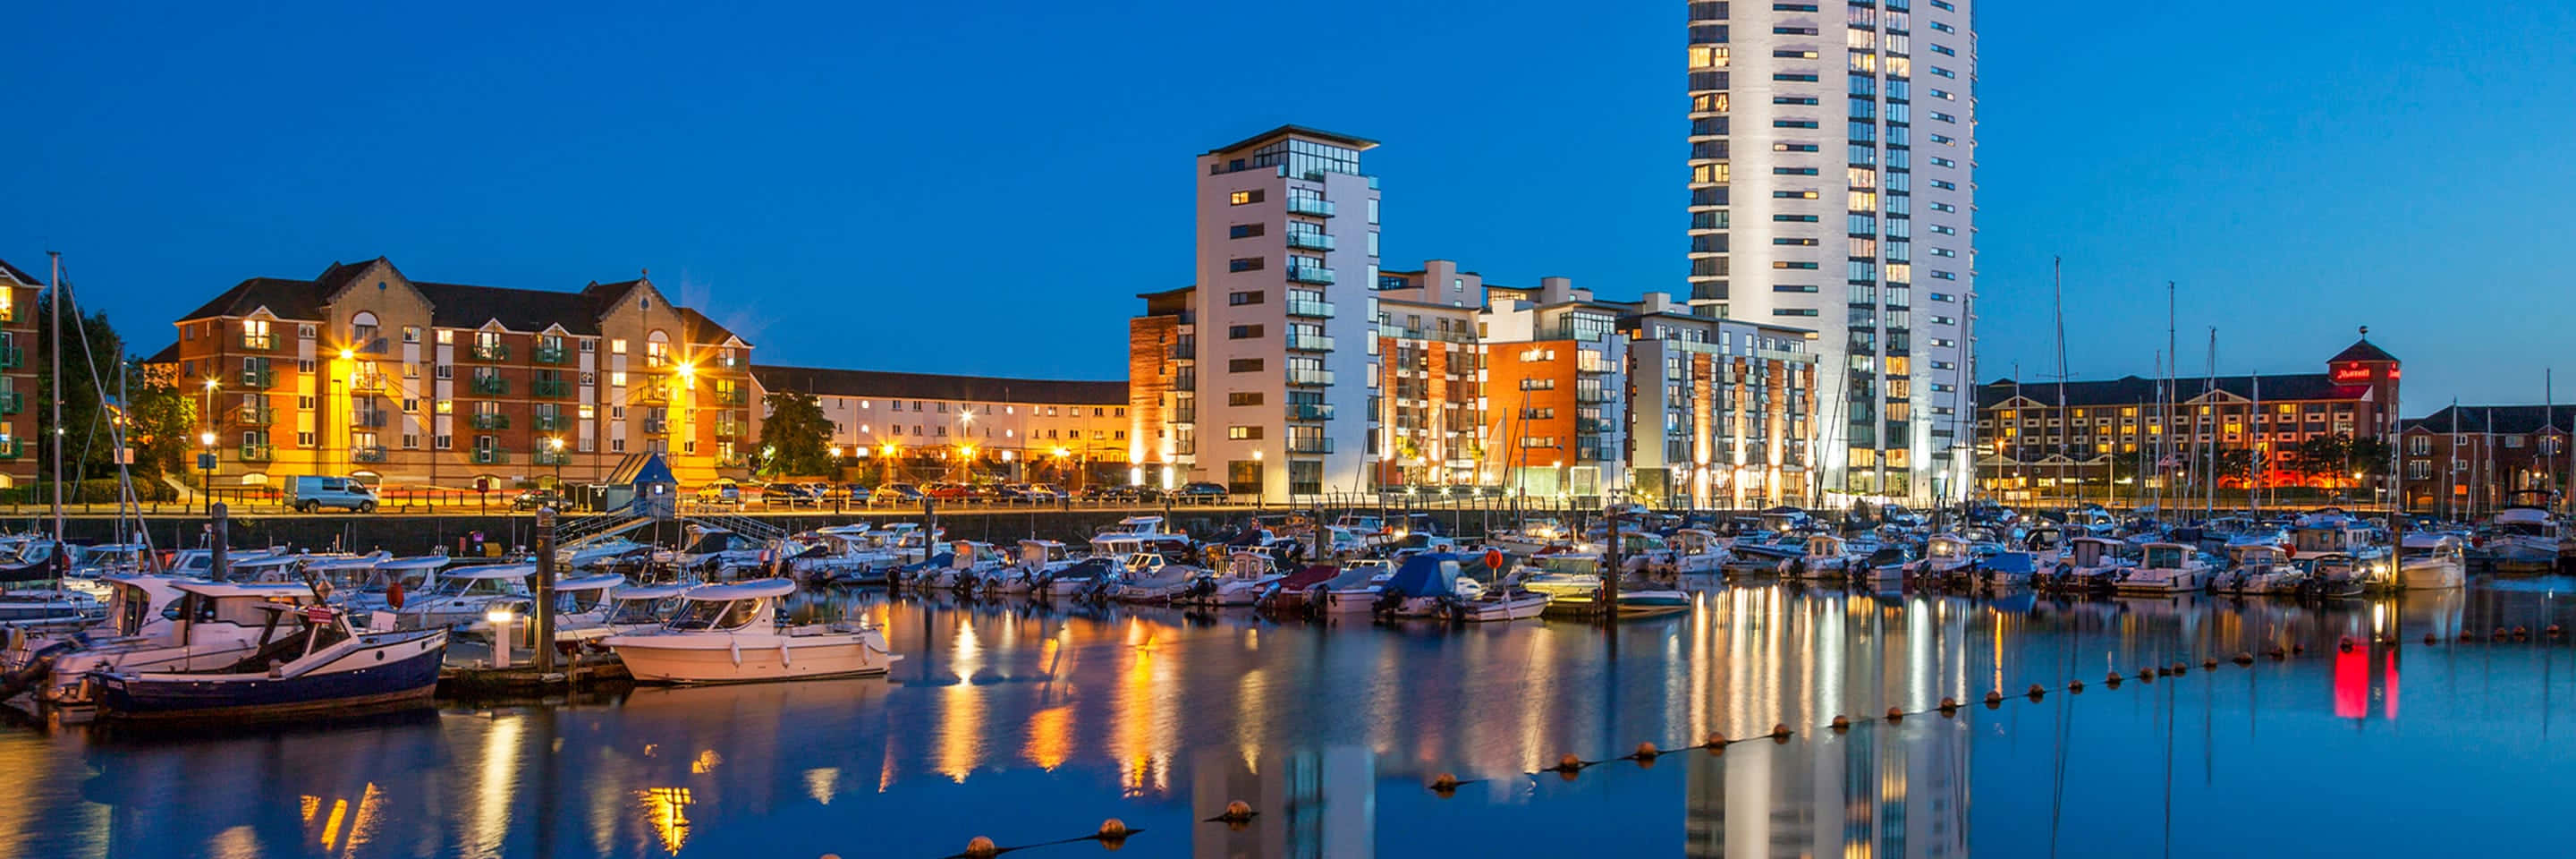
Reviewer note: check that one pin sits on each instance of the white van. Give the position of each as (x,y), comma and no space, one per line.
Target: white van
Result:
(311,493)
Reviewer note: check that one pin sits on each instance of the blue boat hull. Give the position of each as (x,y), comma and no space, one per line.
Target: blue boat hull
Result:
(408,679)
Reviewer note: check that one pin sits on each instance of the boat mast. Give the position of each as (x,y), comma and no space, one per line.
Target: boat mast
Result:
(54,350)
(2254,452)
(2165,398)
(2209,386)
(2451,467)
(2065,417)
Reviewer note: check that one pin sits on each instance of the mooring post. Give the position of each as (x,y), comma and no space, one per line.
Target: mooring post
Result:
(221,565)
(541,631)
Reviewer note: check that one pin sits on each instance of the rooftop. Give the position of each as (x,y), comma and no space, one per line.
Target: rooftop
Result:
(930,386)
(452,305)
(1293,130)
(2131,390)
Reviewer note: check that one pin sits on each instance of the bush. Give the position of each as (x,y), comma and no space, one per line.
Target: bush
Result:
(101,491)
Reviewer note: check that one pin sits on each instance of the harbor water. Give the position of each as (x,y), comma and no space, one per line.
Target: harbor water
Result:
(1029,724)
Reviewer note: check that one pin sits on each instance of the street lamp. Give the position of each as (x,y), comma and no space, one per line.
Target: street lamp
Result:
(206,460)
(555,444)
(1260,482)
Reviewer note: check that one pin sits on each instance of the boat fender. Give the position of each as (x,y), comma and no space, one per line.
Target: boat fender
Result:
(783,661)
(736,647)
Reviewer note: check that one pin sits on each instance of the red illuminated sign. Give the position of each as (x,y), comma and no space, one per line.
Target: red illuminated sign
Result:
(2352,373)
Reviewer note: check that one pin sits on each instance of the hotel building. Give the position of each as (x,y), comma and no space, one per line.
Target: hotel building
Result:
(1260,375)
(362,370)
(1786,98)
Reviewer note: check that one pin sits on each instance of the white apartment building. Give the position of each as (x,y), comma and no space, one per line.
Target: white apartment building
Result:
(1787,100)
(1263,375)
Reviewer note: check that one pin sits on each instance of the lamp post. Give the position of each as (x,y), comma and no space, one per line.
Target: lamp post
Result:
(1260,482)
(206,460)
(555,445)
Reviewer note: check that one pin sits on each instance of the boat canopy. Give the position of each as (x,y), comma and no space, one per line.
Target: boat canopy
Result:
(590,583)
(1430,574)
(2011,562)
(357,562)
(417,562)
(1309,577)
(753,589)
(495,571)
(649,592)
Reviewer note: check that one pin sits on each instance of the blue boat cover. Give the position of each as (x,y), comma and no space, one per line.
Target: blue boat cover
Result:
(2010,562)
(1424,575)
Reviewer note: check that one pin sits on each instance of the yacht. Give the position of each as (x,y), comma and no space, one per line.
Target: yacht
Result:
(581,605)
(1247,574)
(1151,577)
(165,624)
(2431,562)
(2091,564)
(2261,568)
(2524,537)
(464,595)
(1826,558)
(306,662)
(2167,568)
(731,633)
(1355,590)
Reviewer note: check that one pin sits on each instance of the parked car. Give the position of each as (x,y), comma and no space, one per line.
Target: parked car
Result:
(945,491)
(789,494)
(1202,492)
(895,493)
(535,498)
(1046,492)
(722,491)
(312,492)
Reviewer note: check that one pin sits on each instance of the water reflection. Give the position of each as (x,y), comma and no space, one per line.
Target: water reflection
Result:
(1030,725)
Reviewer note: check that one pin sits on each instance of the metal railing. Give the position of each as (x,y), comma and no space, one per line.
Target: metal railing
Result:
(550,388)
(255,415)
(260,379)
(1310,241)
(490,456)
(367,454)
(1310,377)
(1317,309)
(552,355)
(490,386)
(491,421)
(1309,412)
(257,452)
(552,423)
(1309,342)
(1310,274)
(1316,206)
(490,352)
(257,342)
(1310,445)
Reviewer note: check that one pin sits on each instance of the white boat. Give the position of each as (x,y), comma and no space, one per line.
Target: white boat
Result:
(1884,570)
(1088,577)
(581,607)
(1356,589)
(1247,573)
(2524,538)
(1693,551)
(731,633)
(1150,577)
(1945,556)
(1825,558)
(2261,568)
(2167,568)
(969,562)
(1037,558)
(2432,562)
(306,662)
(2090,564)
(463,595)
(163,624)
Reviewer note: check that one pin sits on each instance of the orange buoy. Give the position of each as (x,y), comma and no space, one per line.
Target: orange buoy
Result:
(2244,658)
(1949,706)
(1113,829)
(1444,782)
(1714,743)
(980,847)
(1994,698)
(1646,752)
(1841,724)
(1895,715)
(1780,732)
(1569,763)
(2076,686)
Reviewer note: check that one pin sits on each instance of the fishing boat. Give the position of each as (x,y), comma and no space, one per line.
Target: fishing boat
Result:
(306,662)
(731,633)
(464,595)
(2167,568)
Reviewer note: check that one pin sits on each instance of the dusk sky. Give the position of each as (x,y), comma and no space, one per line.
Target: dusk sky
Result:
(983,188)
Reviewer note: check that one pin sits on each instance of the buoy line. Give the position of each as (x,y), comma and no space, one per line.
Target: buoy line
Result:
(1113,834)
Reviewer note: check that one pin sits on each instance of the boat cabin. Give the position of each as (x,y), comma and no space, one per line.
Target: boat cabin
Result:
(1694,541)
(741,605)
(1826,546)
(1945,548)
(1039,553)
(648,604)
(2092,551)
(1783,519)
(2167,556)
(2332,532)
(491,580)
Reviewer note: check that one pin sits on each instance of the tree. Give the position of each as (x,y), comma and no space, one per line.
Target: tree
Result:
(795,439)
(161,418)
(92,356)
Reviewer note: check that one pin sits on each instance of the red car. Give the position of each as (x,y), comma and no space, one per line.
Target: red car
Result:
(948,491)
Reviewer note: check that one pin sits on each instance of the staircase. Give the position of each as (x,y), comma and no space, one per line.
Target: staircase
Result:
(578,532)
(744,525)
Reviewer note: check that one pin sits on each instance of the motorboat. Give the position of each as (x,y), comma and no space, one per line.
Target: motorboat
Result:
(2090,564)
(1298,591)
(2005,570)
(1826,557)
(1247,575)
(464,595)
(1530,538)
(1150,577)
(581,605)
(1036,559)
(969,561)
(2523,537)
(1694,551)
(2167,568)
(1423,586)
(633,608)
(731,633)
(2261,568)
(1355,590)
(2335,575)
(2431,562)
(715,553)
(389,584)
(1946,558)
(306,661)
(1090,577)
(1883,570)
(159,623)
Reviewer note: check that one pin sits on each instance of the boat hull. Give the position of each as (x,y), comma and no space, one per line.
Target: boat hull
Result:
(396,680)
(705,661)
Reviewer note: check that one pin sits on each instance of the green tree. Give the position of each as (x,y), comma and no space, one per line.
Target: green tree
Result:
(795,440)
(92,356)
(162,418)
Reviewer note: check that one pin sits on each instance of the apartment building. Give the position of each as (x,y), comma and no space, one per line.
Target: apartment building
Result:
(1722,411)
(1435,426)
(18,375)
(362,370)
(923,426)
(1896,334)
(2464,462)
(1556,369)
(1269,385)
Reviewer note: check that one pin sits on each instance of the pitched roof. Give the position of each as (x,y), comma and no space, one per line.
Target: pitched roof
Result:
(457,305)
(928,386)
(2128,390)
(2510,420)
(2362,350)
(168,355)
(288,299)
(695,327)
(18,274)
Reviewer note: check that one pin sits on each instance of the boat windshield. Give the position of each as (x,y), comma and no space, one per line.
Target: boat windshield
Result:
(2164,557)
(640,610)
(579,602)
(708,614)
(133,607)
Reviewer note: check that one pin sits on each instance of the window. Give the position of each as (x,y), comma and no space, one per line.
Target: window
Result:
(1808,219)
(1792,99)
(1793,311)
(1784,287)
(1243,398)
(1944,207)
(1239,299)
(1794,55)
(1944,162)
(1944,139)
(1243,332)
(1793,147)
(1708,56)
(1795,265)
(1804,243)
(1943,50)
(1943,72)
(1243,365)
(1793,123)
(1240,198)
(1936,25)
(1244,264)
(1243,231)
(1793,31)
(1808,78)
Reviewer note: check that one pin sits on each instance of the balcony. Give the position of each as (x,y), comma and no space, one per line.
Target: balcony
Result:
(371,418)
(1316,378)
(1315,206)
(12,357)
(490,352)
(733,396)
(257,452)
(652,391)
(258,416)
(1185,416)
(492,421)
(8,448)
(552,388)
(1591,425)
(1453,335)
(734,460)
(1310,241)
(11,403)
(553,457)
(729,429)
(259,380)
(257,342)
(490,386)
(1309,412)
(1314,309)
(1181,352)
(367,454)
(552,423)
(490,456)
(1309,342)
(1310,274)
(367,381)
(1310,445)
(1596,395)
(552,355)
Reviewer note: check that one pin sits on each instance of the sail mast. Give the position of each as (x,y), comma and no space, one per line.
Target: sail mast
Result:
(55,351)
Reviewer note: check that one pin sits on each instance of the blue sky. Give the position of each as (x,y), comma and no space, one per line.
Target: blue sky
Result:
(982,188)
